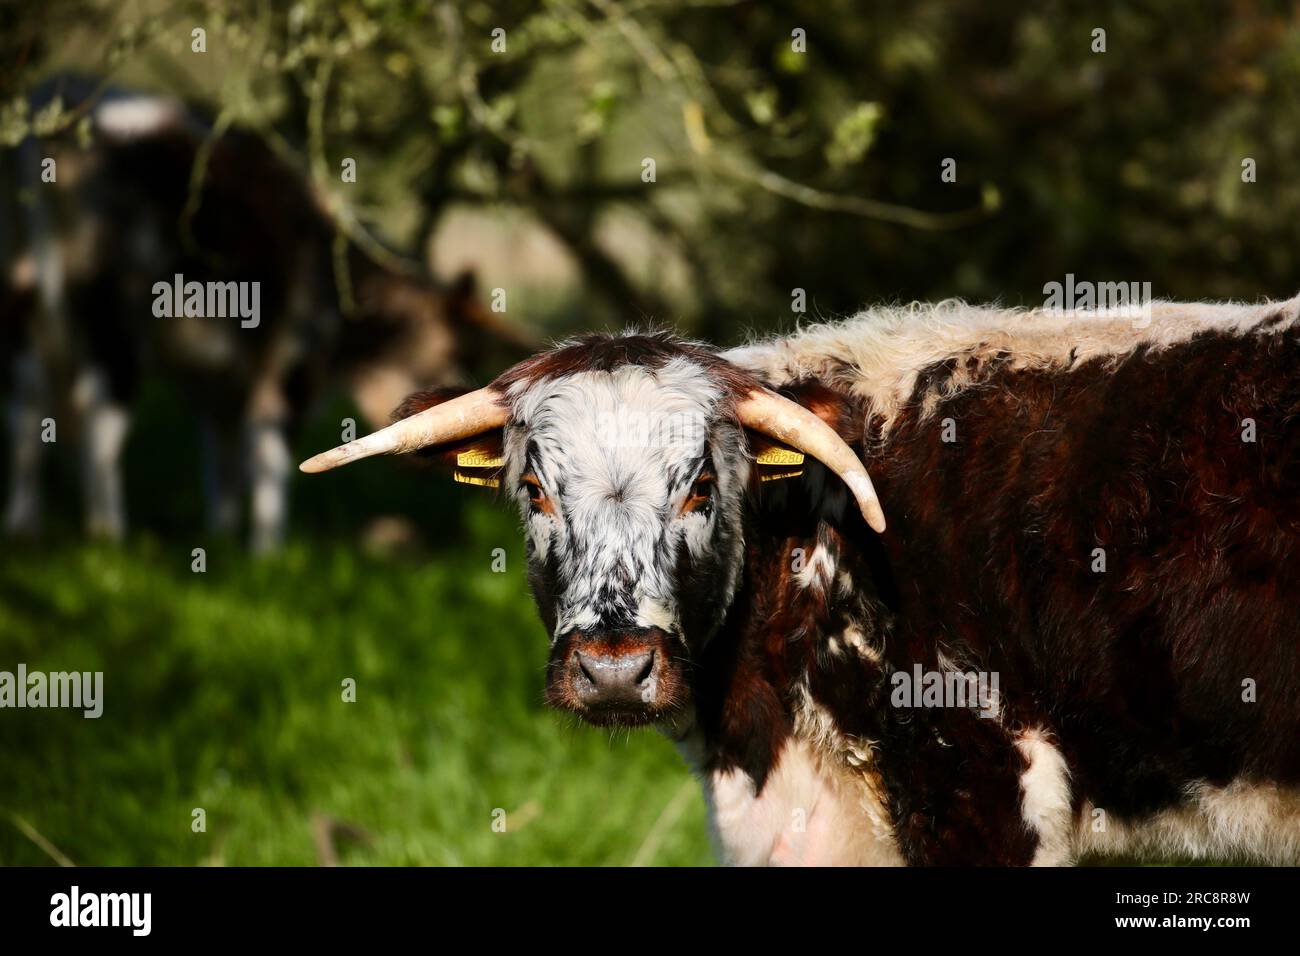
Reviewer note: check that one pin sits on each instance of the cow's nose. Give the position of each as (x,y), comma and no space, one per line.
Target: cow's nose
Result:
(610,679)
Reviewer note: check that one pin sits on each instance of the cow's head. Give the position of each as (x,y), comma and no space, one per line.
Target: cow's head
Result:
(629,458)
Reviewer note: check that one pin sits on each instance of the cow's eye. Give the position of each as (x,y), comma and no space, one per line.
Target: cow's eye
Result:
(537,499)
(701,493)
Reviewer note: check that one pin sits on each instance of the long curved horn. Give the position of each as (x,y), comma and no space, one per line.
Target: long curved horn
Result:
(791,423)
(463,417)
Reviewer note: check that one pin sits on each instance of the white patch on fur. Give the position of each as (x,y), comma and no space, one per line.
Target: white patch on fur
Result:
(818,569)
(844,584)
(808,814)
(1257,822)
(1045,797)
(879,353)
(854,638)
(651,613)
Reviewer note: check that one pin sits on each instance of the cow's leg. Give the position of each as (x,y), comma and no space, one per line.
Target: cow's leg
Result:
(270,462)
(23,509)
(269,469)
(222,471)
(105,423)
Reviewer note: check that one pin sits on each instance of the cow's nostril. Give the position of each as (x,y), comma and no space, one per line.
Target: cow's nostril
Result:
(643,675)
(582,667)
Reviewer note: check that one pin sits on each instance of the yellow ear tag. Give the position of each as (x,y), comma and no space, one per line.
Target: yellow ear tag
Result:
(778,455)
(468,478)
(783,463)
(477,459)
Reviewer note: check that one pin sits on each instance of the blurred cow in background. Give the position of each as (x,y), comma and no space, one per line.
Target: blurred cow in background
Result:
(137,207)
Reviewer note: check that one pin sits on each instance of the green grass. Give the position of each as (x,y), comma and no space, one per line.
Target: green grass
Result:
(223,690)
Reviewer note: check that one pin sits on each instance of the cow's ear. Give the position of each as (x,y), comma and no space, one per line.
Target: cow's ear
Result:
(472,461)
(774,461)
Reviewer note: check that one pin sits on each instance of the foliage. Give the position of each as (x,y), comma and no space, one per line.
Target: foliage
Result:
(776,167)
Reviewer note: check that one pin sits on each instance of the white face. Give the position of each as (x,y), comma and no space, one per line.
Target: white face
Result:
(630,485)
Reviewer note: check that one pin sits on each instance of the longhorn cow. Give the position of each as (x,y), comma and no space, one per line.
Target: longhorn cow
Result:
(1079,633)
